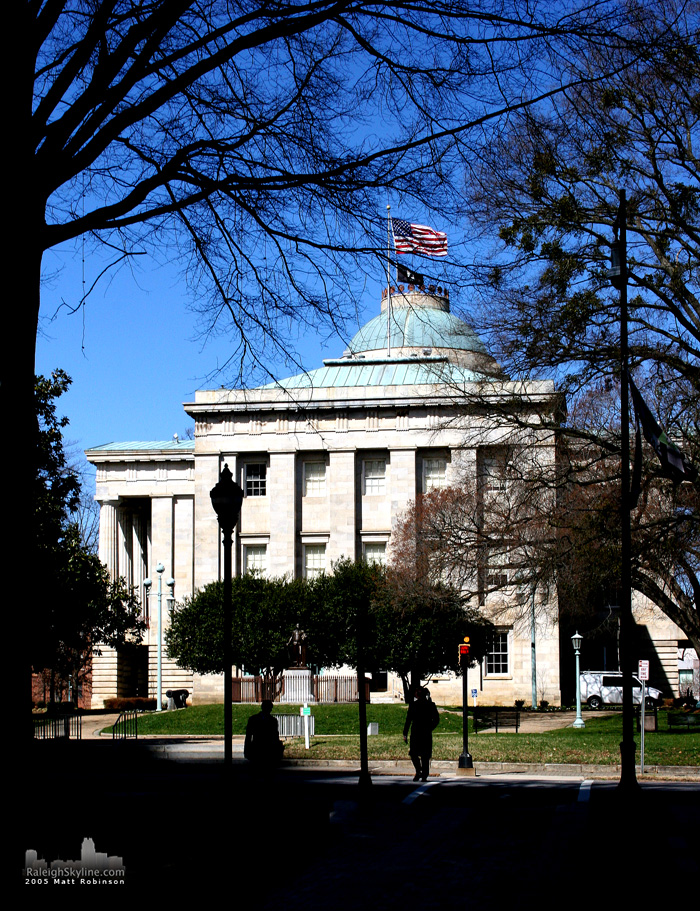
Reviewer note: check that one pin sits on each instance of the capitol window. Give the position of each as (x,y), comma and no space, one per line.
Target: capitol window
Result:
(434,474)
(374,476)
(314,560)
(314,479)
(375,552)
(255,559)
(255,479)
(497,657)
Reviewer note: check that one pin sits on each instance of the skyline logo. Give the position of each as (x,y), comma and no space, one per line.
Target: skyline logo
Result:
(94,868)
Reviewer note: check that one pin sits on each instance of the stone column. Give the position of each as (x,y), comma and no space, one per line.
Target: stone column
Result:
(139,550)
(125,533)
(403,480)
(104,665)
(343,507)
(109,537)
(183,546)
(161,552)
(462,468)
(207,539)
(281,489)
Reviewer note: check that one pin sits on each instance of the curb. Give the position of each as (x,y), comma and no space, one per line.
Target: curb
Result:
(484,769)
(212,751)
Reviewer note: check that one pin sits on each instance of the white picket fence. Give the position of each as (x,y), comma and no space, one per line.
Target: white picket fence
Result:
(293,725)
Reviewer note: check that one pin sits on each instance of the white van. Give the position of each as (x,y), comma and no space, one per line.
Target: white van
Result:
(605,688)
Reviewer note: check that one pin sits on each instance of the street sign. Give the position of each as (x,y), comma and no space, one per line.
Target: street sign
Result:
(643,670)
(305,712)
(474,694)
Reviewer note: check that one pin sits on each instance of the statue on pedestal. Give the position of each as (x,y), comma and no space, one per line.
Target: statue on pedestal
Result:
(297,647)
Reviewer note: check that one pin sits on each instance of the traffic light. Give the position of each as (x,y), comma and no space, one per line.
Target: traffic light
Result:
(616,273)
(464,650)
(618,248)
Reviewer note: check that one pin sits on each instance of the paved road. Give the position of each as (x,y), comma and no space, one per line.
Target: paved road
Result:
(314,839)
(502,844)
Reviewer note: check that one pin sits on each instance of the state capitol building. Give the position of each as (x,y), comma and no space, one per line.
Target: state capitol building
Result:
(328,461)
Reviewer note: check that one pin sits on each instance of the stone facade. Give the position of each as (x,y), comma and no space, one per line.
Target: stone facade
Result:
(328,460)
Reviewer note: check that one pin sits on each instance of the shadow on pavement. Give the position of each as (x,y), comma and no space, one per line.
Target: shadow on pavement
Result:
(188,830)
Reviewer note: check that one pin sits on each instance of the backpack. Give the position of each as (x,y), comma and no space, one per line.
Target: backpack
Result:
(434,716)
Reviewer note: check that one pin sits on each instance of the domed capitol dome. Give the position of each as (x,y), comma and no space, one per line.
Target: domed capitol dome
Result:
(415,340)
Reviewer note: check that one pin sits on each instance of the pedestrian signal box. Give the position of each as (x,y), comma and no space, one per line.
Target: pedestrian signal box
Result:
(464,650)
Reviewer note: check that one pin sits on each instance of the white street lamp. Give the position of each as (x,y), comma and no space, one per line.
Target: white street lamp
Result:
(576,641)
(160,569)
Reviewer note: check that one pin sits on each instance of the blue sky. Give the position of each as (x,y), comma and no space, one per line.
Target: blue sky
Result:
(133,351)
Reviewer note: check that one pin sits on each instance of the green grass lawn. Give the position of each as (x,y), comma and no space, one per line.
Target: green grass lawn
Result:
(337,736)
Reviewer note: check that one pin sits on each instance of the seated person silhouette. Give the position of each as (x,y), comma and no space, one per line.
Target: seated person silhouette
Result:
(263,746)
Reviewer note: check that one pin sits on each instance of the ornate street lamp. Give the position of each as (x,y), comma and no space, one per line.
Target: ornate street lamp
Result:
(576,641)
(227,499)
(160,569)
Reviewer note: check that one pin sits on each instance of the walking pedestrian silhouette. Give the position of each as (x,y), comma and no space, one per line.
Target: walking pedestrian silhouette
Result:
(422,719)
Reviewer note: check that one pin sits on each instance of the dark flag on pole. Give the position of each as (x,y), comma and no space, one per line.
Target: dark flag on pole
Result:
(673,463)
(404,274)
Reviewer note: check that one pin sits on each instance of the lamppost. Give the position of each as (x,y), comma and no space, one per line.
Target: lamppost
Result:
(465,760)
(365,778)
(170,599)
(227,499)
(576,641)
(533,647)
(160,569)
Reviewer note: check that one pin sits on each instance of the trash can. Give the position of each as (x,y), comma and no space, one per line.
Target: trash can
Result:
(651,719)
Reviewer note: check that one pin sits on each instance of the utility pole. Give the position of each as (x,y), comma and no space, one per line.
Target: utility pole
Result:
(618,277)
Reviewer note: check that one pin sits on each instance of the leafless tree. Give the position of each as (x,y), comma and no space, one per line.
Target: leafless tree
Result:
(254,142)
(545,191)
(488,534)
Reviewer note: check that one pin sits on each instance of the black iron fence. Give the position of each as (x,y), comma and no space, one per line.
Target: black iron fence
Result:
(495,717)
(126,726)
(50,727)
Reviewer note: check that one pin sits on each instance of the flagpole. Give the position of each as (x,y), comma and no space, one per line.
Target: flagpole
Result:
(628,778)
(388,281)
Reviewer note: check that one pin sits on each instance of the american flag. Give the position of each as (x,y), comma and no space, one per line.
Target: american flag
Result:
(410,238)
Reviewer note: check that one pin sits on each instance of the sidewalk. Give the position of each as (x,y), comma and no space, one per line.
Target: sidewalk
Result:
(210,748)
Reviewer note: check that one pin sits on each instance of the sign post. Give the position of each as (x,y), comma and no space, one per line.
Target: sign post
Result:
(643,676)
(305,713)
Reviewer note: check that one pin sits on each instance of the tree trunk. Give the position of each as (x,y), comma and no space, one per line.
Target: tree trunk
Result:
(24,591)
